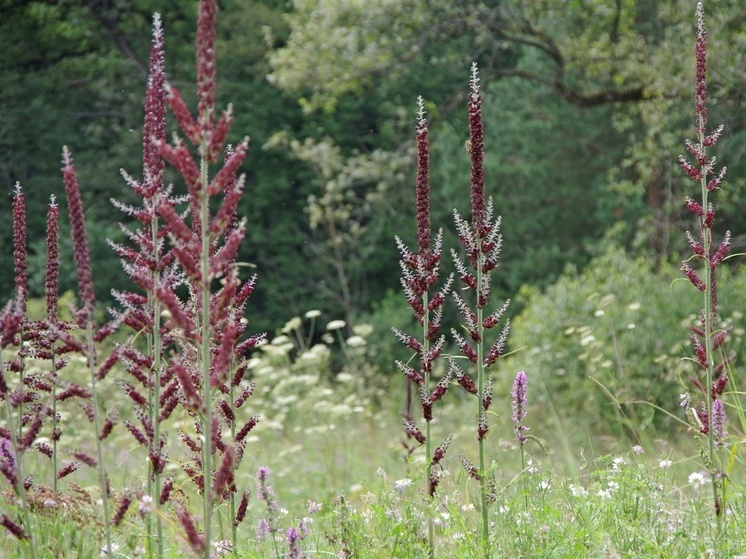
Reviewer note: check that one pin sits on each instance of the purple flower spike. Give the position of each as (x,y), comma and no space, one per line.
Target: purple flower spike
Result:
(718,422)
(519,406)
(19,248)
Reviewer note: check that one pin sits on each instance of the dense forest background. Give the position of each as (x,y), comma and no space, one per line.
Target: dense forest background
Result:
(587,104)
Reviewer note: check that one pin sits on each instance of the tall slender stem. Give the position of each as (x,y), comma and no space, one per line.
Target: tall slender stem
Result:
(97,431)
(480,399)
(155,352)
(708,320)
(205,351)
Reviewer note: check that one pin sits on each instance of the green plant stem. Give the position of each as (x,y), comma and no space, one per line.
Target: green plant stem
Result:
(480,398)
(205,354)
(232,503)
(19,489)
(523,472)
(97,431)
(155,410)
(428,442)
(55,481)
(708,327)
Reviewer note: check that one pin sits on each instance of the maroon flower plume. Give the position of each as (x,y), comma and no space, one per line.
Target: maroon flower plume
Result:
(154,130)
(80,241)
(206,65)
(476,150)
(19,249)
(51,282)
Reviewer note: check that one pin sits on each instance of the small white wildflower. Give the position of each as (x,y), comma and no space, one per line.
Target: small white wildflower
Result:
(684,400)
(401,484)
(336,325)
(313,314)
(356,341)
(578,491)
(49,503)
(146,505)
(380,472)
(637,449)
(599,312)
(604,494)
(543,485)
(617,463)
(292,325)
(468,507)
(585,340)
(631,326)
(531,469)
(634,306)
(697,479)
(612,486)
(664,464)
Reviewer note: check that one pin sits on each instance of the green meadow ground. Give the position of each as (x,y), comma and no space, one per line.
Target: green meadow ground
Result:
(339,446)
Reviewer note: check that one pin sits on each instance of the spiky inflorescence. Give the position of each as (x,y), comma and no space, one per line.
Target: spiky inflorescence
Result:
(51,282)
(519,406)
(420,273)
(707,337)
(80,239)
(206,81)
(702,171)
(19,248)
(476,150)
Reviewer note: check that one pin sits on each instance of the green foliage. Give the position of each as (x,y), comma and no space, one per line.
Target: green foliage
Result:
(610,343)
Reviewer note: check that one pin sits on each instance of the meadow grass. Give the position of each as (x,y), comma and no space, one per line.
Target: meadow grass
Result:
(170,431)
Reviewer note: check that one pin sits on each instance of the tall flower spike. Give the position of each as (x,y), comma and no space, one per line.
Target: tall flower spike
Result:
(519,406)
(19,248)
(80,241)
(476,150)
(700,87)
(206,65)
(51,282)
(423,179)
(154,130)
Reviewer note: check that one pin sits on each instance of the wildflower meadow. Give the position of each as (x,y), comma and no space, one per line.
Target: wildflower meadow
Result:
(167,426)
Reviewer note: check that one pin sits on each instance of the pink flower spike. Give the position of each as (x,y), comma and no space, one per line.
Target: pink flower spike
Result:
(693,277)
(476,150)
(221,133)
(722,251)
(80,241)
(694,207)
(19,248)
(714,182)
(694,173)
(423,180)
(206,64)
(227,254)
(154,130)
(180,158)
(228,172)
(183,116)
